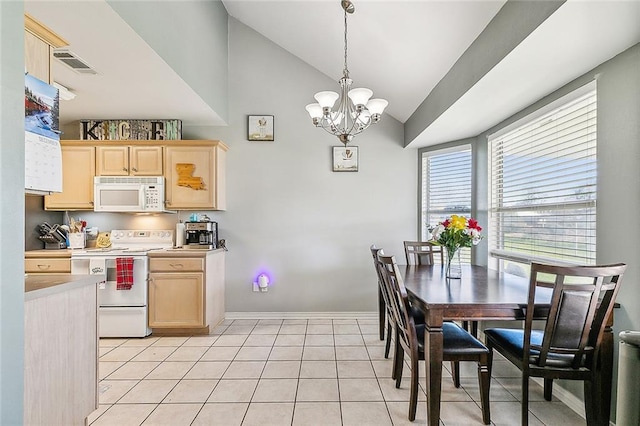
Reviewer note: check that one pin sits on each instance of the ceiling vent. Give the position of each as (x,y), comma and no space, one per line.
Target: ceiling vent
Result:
(74,62)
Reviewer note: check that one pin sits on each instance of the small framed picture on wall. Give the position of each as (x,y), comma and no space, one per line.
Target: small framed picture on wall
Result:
(345,158)
(260,128)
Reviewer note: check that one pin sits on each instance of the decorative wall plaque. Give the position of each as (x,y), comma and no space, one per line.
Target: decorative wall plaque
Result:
(186,178)
(123,130)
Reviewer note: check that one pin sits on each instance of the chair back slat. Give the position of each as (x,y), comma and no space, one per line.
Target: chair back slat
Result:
(375,252)
(581,301)
(399,301)
(422,252)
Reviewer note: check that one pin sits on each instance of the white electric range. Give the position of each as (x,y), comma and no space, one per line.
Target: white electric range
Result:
(122,313)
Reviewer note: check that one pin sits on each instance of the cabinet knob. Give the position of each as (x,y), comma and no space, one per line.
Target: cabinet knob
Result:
(134,169)
(91,202)
(124,169)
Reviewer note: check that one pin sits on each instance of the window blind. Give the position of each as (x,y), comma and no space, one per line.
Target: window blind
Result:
(446,188)
(543,187)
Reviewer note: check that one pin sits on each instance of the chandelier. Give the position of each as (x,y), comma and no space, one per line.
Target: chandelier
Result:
(355,111)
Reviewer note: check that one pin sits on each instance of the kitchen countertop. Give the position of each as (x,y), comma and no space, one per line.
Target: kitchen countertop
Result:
(182,252)
(40,285)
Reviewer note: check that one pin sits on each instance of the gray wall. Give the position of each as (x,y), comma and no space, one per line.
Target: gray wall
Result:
(618,87)
(515,21)
(191,37)
(288,213)
(11,211)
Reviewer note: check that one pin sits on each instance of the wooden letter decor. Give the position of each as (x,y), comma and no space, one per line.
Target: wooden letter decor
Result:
(186,178)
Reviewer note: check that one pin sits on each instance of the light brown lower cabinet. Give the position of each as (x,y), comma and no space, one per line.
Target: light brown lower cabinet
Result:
(47,262)
(186,291)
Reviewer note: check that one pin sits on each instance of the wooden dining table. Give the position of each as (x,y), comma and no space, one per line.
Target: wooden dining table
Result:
(481,294)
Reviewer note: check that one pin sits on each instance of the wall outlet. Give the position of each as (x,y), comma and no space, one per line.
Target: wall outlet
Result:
(255,287)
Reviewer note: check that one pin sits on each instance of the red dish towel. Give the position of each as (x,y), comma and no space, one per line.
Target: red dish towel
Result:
(124,273)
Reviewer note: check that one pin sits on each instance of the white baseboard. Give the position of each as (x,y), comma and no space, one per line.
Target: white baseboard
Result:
(301,315)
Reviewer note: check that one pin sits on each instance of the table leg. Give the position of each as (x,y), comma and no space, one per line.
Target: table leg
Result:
(382,309)
(433,368)
(604,378)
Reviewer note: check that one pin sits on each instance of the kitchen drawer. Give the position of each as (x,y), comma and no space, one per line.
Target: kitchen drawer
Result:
(51,266)
(177,264)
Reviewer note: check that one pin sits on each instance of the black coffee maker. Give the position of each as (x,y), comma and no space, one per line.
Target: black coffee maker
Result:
(201,235)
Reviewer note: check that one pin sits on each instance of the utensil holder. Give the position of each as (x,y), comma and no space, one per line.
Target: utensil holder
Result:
(77,240)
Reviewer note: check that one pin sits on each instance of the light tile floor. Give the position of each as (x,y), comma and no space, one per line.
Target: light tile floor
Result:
(290,372)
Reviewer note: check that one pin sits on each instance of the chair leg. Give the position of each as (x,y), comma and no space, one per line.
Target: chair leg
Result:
(590,406)
(399,365)
(455,373)
(471,327)
(382,314)
(413,401)
(525,400)
(484,380)
(387,345)
(548,389)
(394,371)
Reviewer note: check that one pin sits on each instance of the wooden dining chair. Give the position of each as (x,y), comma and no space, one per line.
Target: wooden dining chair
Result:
(390,326)
(425,253)
(385,317)
(458,344)
(567,347)
(422,252)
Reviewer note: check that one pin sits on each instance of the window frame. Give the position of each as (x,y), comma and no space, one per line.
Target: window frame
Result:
(498,257)
(423,210)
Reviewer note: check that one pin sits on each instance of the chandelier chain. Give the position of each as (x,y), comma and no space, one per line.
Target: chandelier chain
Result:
(355,110)
(345,72)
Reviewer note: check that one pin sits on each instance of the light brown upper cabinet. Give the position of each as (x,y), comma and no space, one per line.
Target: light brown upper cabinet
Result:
(129,160)
(194,171)
(39,42)
(195,175)
(78,170)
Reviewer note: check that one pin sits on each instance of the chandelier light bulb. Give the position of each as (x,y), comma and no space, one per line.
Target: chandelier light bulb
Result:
(377,106)
(360,96)
(314,110)
(355,109)
(327,98)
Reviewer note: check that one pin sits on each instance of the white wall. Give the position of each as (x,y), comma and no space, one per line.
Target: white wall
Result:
(11,211)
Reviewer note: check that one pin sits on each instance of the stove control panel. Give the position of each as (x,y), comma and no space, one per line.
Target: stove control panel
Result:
(148,238)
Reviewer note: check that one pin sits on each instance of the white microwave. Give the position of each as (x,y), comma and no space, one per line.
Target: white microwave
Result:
(130,194)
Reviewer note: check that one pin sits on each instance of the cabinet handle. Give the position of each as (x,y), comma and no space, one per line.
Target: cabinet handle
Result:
(134,169)
(91,202)
(176,265)
(124,169)
(44,266)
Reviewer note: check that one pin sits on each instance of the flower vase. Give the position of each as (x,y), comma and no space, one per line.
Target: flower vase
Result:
(454,267)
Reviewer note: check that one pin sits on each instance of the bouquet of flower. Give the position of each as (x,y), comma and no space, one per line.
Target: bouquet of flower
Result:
(456,232)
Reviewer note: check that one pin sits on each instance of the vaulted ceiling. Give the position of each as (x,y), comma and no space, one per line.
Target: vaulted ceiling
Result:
(400,49)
